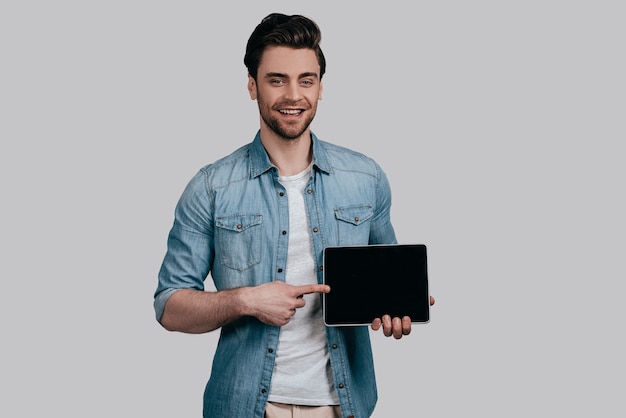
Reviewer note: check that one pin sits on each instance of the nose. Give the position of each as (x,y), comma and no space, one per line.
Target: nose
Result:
(292,92)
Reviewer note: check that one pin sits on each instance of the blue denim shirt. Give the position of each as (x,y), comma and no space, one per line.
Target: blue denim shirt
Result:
(232,222)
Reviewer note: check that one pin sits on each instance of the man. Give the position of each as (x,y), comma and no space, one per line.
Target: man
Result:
(257,221)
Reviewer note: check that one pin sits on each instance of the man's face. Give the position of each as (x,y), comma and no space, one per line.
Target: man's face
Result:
(287,89)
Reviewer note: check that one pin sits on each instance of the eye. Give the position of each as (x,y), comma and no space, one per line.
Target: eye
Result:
(276,81)
(307,82)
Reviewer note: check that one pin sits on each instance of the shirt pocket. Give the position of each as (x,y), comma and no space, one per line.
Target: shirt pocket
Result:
(238,240)
(353,224)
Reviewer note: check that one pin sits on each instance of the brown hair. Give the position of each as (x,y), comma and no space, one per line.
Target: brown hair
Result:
(277,29)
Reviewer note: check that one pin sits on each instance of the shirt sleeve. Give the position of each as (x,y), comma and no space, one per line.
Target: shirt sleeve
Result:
(190,250)
(382,231)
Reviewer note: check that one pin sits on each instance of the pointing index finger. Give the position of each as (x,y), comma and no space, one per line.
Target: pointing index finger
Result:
(305,289)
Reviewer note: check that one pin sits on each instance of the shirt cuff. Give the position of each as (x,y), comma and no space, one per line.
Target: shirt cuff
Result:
(160,300)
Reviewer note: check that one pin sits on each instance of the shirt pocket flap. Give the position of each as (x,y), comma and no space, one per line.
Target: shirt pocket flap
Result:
(355,215)
(238,223)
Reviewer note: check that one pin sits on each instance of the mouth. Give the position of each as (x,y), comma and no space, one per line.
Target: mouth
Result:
(293,112)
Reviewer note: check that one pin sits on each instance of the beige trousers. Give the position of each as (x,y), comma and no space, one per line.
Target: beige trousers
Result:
(281,410)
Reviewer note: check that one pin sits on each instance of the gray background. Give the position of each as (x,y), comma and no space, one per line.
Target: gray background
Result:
(499,125)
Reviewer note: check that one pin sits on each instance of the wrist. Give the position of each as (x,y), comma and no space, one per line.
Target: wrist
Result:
(241,301)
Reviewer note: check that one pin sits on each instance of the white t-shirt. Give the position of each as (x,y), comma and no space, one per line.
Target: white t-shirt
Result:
(302,374)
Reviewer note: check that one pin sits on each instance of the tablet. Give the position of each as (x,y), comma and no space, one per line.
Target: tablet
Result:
(368,281)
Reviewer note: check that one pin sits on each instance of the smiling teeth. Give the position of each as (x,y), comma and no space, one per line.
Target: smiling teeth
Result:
(291,111)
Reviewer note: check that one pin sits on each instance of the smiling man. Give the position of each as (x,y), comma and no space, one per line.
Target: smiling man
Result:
(258,220)
(287,99)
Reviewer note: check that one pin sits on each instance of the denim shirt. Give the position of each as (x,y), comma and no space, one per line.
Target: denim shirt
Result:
(232,221)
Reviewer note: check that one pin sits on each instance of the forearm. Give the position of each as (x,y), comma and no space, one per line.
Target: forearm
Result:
(195,312)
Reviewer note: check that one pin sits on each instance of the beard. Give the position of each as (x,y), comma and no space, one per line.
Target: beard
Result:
(289,131)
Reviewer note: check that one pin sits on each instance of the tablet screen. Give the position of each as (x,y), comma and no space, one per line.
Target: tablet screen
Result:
(369,281)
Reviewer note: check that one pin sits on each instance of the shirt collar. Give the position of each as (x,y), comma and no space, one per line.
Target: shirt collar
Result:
(260,161)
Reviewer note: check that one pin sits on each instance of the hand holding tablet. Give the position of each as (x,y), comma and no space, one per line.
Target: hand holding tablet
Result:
(377,282)
(397,327)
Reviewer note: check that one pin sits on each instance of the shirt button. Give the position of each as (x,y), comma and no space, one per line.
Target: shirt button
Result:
(315,230)
(321,268)
(281,194)
(309,191)
(239,226)
(263,390)
(271,350)
(280,270)
(334,346)
(356,219)
(284,232)
(340,385)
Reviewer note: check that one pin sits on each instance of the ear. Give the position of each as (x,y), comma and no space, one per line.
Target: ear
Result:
(252,87)
(319,96)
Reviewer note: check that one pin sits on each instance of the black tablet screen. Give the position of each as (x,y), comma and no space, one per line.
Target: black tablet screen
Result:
(369,281)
